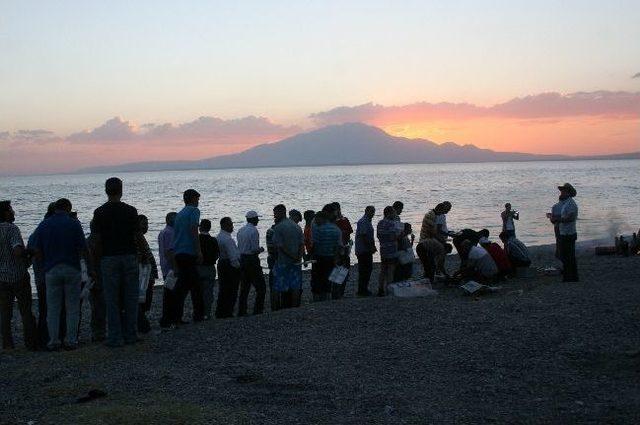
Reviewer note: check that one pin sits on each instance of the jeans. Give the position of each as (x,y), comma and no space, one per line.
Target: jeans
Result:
(365,266)
(188,282)
(20,290)
(251,273)
(207,279)
(63,289)
(228,281)
(568,256)
(120,278)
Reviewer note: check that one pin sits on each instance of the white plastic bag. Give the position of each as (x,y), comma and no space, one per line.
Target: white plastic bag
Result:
(144,276)
(406,256)
(412,289)
(170,280)
(338,275)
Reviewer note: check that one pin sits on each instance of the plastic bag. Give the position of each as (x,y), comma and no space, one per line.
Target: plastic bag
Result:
(170,281)
(338,275)
(144,276)
(412,289)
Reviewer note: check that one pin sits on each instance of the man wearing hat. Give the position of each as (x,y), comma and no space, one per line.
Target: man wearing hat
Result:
(567,234)
(250,269)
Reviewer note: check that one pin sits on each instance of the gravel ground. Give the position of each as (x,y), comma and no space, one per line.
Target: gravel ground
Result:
(537,351)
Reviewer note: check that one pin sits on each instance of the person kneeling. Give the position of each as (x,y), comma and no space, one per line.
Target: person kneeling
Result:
(479,265)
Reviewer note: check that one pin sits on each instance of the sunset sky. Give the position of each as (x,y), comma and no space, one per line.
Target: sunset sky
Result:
(87,83)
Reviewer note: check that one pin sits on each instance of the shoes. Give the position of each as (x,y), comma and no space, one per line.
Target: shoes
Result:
(54,347)
(70,347)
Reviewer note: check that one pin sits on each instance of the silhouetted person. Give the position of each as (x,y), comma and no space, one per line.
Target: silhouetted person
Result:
(165,253)
(365,248)
(207,270)
(228,270)
(146,259)
(14,280)
(116,235)
(568,233)
(251,270)
(60,243)
(289,240)
(508,216)
(327,244)
(389,235)
(187,256)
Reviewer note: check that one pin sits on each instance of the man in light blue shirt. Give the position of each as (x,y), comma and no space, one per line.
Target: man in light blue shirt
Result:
(187,255)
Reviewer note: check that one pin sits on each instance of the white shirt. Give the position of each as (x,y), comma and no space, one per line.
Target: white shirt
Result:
(482,262)
(248,240)
(569,207)
(228,248)
(442,220)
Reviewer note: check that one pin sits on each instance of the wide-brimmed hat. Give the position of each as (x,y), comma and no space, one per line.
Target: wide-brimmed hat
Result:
(569,188)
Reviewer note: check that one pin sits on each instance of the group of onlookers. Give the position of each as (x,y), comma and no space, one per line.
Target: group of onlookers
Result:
(114,269)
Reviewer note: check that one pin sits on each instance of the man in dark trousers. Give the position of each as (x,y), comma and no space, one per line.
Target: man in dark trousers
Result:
(251,270)
(207,270)
(228,270)
(365,248)
(567,233)
(117,236)
(187,255)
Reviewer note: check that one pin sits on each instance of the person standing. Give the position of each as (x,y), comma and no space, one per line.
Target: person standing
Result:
(327,243)
(60,243)
(403,271)
(389,235)
(344,259)
(309,215)
(554,217)
(41,290)
(165,253)
(146,259)
(96,293)
(251,270)
(289,240)
(508,215)
(187,256)
(116,238)
(228,270)
(14,281)
(568,233)
(365,248)
(207,270)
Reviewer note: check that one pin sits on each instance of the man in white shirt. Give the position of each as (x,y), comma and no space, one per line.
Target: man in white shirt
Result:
(567,233)
(228,270)
(250,269)
(479,266)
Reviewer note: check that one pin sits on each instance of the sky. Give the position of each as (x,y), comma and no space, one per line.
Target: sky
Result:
(87,83)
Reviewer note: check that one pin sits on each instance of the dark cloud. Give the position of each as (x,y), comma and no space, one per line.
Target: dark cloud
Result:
(114,130)
(23,137)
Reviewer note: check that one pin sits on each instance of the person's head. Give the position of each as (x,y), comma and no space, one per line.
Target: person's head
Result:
(329,211)
(63,205)
(398,206)
(320,218)
(465,247)
(407,228)
(6,212)
(170,218)
(226,224)
(191,197)
(252,217)
(279,212)
(337,209)
(370,211)
(51,210)
(113,188)
(567,191)
(143,223)
(295,216)
(205,225)
(484,233)
(507,207)
(309,215)
(389,212)
(442,208)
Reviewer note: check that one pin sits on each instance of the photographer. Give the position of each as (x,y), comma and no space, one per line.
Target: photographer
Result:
(508,215)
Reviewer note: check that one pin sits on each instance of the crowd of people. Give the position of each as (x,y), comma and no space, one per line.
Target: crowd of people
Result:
(115,270)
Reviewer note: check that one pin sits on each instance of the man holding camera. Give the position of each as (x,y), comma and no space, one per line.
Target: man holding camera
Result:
(508,226)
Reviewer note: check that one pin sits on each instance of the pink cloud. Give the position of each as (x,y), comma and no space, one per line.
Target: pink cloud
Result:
(619,105)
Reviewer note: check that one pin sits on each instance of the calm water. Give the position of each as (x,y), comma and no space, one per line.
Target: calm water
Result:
(608,194)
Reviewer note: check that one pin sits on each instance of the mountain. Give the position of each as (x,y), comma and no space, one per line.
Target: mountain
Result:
(345,144)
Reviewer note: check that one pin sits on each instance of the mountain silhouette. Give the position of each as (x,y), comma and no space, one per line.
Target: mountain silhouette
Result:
(344,144)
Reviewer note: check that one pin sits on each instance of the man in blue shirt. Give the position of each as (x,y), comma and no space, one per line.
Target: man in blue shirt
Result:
(187,255)
(365,248)
(327,242)
(60,242)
